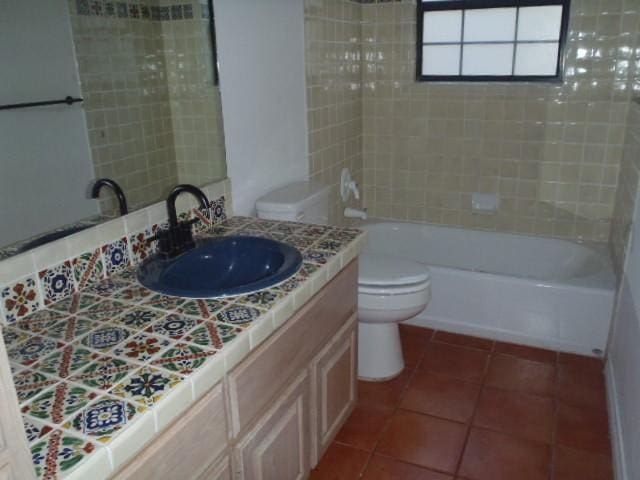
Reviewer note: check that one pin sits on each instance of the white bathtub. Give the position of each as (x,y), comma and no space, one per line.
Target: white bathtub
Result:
(537,291)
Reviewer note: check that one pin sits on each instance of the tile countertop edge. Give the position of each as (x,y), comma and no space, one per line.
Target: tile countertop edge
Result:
(230,356)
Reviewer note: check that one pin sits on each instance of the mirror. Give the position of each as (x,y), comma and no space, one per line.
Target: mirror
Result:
(150,116)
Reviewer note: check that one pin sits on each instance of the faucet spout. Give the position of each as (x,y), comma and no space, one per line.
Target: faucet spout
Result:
(173,196)
(107,182)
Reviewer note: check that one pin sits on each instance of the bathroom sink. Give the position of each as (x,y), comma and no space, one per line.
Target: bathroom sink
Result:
(221,267)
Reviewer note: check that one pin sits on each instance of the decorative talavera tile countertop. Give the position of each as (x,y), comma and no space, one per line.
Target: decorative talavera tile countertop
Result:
(99,373)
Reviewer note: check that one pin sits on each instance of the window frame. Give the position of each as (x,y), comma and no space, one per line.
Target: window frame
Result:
(423,7)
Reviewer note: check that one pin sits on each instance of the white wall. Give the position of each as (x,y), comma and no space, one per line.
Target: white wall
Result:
(262,79)
(623,363)
(45,161)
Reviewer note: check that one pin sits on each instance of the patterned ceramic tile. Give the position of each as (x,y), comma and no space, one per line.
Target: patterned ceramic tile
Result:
(57,283)
(183,358)
(29,352)
(329,245)
(40,323)
(105,310)
(138,318)
(105,418)
(309,268)
(315,230)
(97,8)
(317,256)
(133,294)
(20,299)
(134,11)
(128,275)
(141,348)
(238,315)
(287,228)
(202,308)
(145,12)
(107,287)
(30,383)
(212,335)
(174,326)
(237,222)
(163,302)
(187,10)
(218,210)
(13,337)
(293,283)
(262,299)
(71,329)
(88,268)
(35,429)
(75,303)
(66,361)
(147,386)
(59,403)
(301,243)
(58,454)
(109,9)
(116,256)
(82,7)
(104,373)
(344,235)
(122,10)
(106,337)
(141,246)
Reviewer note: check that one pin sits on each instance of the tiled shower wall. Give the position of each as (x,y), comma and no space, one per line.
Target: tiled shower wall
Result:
(551,152)
(196,111)
(334,95)
(145,128)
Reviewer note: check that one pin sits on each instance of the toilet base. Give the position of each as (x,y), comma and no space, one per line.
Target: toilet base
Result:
(379,351)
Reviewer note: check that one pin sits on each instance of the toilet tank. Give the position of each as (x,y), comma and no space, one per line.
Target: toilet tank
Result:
(306,202)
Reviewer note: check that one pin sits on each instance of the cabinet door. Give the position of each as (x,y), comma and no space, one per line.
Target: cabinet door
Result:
(278,446)
(334,373)
(15,457)
(220,471)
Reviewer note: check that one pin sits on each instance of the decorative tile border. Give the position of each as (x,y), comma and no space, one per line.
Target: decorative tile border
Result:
(20,299)
(88,269)
(116,256)
(57,283)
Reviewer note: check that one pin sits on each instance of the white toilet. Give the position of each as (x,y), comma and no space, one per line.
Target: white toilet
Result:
(390,289)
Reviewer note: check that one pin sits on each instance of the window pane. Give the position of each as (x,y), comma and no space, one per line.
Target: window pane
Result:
(540,23)
(445,26)
(441,60)
(536,58)
(487,59)
(491,24)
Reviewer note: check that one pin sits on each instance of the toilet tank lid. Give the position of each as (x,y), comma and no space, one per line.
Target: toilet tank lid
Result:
(293,197)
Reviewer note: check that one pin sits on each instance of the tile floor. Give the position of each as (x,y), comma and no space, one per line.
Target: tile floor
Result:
(472,409)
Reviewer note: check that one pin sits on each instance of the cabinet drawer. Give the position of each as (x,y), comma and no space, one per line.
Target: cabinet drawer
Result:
(278,445)
(188,446)
(254,383)
(334,374)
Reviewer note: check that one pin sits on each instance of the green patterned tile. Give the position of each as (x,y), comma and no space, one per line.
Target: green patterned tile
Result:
(213,335)
(104,373)
(59,454)
(71,329)
(30,383)
(59,403)
(66,361)
(202,308)
(183,358)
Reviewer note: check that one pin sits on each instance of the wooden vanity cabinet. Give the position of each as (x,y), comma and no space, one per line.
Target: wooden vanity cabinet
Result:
(275,413)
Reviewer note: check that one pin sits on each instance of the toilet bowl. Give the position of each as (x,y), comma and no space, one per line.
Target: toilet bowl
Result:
(390,290)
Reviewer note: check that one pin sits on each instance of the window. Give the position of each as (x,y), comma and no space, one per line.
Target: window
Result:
(491,40)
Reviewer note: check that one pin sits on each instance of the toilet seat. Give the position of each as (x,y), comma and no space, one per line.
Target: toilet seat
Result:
(388,275)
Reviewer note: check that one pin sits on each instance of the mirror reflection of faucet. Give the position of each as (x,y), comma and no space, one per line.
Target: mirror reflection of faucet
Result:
(107,182)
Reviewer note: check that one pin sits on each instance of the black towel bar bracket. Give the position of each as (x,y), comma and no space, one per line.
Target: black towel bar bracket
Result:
(67,100)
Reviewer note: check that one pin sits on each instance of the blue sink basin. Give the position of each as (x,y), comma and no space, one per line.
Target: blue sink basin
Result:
(221,267)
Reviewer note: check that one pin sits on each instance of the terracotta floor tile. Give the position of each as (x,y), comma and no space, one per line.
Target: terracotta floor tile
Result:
(512,373)
(526,416)
(583,429)
(413,349)
(528,353)
(423,440)
(383,396)
(577,465)
(382,468)
(463,340)
(340,463)
(583,388)
(362,428)
(496,456)
(414,331)
(441,396)
(581,361)
(463,363)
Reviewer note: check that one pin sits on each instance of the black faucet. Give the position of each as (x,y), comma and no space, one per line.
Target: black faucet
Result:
(178,238)
(107,182)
